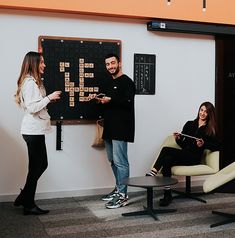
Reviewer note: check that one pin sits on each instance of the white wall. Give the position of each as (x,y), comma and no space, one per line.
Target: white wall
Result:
(184,78)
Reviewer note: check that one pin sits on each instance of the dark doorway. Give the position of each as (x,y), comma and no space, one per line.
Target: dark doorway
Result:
(225,96)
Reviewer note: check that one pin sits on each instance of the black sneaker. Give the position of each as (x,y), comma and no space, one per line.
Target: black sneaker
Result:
(167,199)
(118,201)
(34,211)
(110,196)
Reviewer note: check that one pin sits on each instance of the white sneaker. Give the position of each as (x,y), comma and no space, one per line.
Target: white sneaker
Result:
(110,196)
(118,201)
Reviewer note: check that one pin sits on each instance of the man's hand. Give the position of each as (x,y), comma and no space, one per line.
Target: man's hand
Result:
(104,100)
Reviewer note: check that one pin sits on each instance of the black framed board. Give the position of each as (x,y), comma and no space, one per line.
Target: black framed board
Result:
(75,66)
(144,73)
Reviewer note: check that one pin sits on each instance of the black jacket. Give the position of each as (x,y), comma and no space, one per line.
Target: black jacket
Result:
(191,128)
(119,114)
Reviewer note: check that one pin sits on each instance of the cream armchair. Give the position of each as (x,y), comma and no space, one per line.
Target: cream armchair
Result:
(209,165)
(222,178)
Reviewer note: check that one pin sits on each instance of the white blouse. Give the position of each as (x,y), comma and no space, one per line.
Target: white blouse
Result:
(36,119)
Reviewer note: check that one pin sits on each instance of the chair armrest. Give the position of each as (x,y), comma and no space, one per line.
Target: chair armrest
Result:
(222,177)
(168,142)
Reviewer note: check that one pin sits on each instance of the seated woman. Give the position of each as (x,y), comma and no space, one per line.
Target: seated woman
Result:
(196,136)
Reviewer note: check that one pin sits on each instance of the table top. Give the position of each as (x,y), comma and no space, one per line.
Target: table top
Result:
(150,181)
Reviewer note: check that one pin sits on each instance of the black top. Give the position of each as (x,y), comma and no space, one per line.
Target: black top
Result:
(189,144)
(119,114)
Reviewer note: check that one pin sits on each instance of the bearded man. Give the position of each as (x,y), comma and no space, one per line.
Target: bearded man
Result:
(119,127)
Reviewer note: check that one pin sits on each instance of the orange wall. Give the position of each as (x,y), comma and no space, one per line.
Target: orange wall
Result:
(218,11)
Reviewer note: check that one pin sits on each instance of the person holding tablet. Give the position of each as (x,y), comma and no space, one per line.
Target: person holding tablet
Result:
(196,136)
(118,106)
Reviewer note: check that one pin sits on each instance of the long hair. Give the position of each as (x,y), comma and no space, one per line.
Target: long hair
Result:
(30,66)
(211,128)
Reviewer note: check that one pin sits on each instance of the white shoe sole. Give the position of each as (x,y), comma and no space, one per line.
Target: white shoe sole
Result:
(117,206)
(107,199)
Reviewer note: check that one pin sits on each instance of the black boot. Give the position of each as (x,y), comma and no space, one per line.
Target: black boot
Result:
(34,211)
(19,200)
(167,199)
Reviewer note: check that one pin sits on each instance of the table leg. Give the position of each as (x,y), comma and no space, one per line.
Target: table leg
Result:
(149,209)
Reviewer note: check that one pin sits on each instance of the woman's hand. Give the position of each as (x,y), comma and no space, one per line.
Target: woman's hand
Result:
(200,142)
(54,96)
(176,135)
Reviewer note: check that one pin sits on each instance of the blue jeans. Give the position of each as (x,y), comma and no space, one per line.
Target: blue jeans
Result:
(117,156)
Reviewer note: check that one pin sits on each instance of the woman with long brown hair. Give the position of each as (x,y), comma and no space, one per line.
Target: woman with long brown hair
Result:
(31,97)
(196,136)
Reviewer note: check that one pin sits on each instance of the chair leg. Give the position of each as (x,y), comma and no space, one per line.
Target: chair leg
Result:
(230,218)
(187,193)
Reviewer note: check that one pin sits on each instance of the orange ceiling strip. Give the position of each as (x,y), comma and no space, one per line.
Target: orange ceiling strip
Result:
(217,11)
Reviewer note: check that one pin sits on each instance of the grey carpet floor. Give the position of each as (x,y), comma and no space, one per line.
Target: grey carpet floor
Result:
(87,217)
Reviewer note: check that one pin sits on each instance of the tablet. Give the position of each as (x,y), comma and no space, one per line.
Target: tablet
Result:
(192,137)
(100,95)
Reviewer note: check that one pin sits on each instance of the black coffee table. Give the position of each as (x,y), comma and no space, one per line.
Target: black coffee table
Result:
(149,183)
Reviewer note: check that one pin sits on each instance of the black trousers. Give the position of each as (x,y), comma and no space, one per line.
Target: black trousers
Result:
(170,157)
(38,163)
